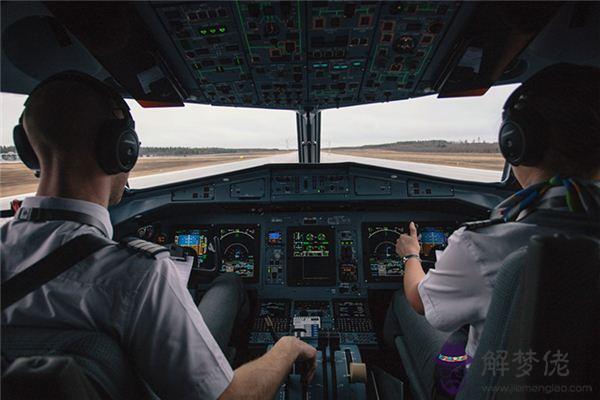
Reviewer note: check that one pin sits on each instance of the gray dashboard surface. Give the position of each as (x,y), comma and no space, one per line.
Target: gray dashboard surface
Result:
(317,183)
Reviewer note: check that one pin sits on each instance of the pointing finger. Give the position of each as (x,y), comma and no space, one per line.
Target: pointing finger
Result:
(413,229)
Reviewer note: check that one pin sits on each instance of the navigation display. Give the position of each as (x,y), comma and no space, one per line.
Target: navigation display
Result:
(196,239)
(240,246)
(311,260)
(381,260)
(379,241)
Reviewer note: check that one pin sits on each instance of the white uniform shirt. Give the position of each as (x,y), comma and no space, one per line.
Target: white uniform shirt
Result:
(138,300)
(459,290)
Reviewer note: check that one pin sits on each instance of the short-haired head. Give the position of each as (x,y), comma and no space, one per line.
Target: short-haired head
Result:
(63,119)
(67,120)
(562,105)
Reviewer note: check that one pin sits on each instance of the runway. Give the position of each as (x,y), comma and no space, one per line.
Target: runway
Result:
(469,174)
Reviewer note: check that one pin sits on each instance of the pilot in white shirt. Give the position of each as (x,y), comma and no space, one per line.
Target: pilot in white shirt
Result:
(83,142)
(154,309)
(554,171)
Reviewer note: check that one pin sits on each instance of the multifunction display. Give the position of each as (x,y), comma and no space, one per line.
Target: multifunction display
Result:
(433,239)
(311,259)
(237,245)
(381,260)
(196,239)
(240,246)
(382,263)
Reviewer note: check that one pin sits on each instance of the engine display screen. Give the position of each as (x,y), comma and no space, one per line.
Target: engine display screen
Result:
(196,239)
(379,241)
(240,246)
(311,244)
(311,259)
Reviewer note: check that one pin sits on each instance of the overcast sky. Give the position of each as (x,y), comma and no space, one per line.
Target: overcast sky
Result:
(205,126)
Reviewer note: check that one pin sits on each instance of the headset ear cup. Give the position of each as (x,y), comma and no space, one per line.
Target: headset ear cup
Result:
(118,147)
(128,151)
(519,139)
(511,142)
(24,148)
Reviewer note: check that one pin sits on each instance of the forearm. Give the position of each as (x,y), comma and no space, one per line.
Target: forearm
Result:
(261,378)
(413,275)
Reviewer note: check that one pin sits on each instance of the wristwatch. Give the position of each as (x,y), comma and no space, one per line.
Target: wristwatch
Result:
(409,256)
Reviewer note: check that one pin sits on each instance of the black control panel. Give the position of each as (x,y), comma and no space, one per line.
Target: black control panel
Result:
(350,319)
(320,54)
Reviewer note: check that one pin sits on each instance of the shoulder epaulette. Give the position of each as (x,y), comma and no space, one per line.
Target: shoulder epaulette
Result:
(474,225)
(150,249)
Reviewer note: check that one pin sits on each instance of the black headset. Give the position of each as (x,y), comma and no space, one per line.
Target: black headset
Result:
(117,147)
(520,137)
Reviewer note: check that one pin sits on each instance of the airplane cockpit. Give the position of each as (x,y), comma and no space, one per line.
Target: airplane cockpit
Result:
(314,242)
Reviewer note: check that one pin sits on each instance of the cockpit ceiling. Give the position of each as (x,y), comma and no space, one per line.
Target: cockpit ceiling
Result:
(295,54)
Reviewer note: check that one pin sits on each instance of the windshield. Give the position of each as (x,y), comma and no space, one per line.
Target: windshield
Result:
(451,138)
(454,138)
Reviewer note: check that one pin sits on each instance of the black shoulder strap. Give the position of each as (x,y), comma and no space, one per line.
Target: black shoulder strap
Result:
(43,214)
(49,267)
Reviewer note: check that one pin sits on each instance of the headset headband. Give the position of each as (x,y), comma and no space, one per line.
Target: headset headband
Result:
(93,83)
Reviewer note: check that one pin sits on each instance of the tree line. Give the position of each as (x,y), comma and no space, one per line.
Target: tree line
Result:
(177,151)
(428,146)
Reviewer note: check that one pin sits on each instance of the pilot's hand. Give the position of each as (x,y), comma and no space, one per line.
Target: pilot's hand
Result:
(408,244)
(306,354)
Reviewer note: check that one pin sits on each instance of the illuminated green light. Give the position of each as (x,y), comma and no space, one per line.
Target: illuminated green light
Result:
(222,29)
(203,31)
(356,63)
(213,30)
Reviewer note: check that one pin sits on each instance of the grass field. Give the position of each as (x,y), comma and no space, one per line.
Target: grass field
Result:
(15,178)
(491,161)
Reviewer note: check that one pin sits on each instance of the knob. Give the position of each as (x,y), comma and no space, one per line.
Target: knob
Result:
(358,372)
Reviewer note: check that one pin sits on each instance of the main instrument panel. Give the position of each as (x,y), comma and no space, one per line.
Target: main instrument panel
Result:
(312,272)
(326,231)
(299,251)
(314,245)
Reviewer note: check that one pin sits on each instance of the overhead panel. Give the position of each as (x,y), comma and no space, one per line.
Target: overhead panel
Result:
(406,38)
(340,36)
(272,34)
(298,55)
(208,38)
